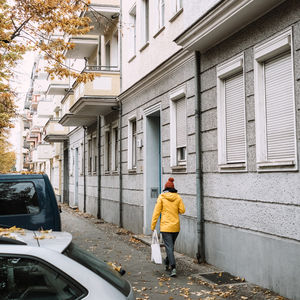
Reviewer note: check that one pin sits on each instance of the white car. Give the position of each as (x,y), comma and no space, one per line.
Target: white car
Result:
(47,265)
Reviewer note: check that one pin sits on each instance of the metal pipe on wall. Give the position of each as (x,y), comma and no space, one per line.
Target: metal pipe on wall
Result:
(120,128)
(120,168)
(99,166)
(84,171)
(199,175)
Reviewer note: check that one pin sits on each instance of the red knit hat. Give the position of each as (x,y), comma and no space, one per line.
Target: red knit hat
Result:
(169,184)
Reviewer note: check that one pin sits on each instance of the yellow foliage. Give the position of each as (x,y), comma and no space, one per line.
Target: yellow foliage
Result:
(32,25)
(7,157)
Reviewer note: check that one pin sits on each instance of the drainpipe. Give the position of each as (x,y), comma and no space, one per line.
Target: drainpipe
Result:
(199,175)
(84,171)
(120,41)
(120,168)
(120,128)
(99,166)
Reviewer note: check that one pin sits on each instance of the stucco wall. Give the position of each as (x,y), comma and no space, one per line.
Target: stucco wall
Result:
(260,210)
(133,183)
(161,46)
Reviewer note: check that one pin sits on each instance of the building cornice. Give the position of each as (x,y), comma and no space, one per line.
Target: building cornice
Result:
(168,67)
(223,20)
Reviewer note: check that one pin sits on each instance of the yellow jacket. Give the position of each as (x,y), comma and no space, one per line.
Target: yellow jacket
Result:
(169,205)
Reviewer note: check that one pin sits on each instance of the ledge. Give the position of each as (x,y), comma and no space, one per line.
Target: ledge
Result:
(283,165)
(132,58)
(159,31)
(132,171)
(144,46)
(237,167)
(179,169)
(176,15)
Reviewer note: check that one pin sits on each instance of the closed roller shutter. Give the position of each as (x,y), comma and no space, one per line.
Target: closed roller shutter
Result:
(280,127)
(235,119)
(180,123)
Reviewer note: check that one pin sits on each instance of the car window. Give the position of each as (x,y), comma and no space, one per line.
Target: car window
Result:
(25,278)
(99,267)
(18,198)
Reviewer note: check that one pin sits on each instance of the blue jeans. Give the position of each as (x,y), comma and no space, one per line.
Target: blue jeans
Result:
(169,239)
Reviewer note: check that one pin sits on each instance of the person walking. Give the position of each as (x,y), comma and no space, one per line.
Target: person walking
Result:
(169,205)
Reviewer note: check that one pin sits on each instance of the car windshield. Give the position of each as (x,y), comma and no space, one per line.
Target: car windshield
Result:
(99,267)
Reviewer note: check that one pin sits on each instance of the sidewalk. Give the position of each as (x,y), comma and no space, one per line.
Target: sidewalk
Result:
(150,281)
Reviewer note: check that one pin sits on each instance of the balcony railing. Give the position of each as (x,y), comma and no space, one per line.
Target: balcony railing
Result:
(101,68)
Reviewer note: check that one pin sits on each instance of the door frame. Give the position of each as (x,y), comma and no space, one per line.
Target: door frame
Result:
(76,176)
(152,111)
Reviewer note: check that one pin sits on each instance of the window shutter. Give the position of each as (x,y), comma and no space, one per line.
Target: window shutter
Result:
(180,123)
(235,119)
(280,128)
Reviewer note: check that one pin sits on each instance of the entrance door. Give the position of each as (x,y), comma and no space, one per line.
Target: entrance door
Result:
(66,176)
(152,163)
(76,178)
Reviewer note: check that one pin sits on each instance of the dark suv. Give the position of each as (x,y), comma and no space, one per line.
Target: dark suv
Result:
(28,201)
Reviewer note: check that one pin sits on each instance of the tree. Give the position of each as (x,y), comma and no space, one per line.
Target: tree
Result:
(7,157)
(37,25)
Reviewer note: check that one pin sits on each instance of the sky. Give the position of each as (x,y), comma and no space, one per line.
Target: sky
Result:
(20,84)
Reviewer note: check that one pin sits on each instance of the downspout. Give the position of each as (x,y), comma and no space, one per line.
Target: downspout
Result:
(99,166)
(199,175)
(120,167)
(84,171)
(120,129)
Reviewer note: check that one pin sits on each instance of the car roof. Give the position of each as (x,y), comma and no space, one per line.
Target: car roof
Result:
(20,175)
(55,240)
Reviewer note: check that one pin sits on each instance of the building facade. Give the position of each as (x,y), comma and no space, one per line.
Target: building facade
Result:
(209,95)
(249,100)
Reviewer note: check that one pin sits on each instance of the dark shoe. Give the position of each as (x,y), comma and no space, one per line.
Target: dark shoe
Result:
(167,267)
(173,273)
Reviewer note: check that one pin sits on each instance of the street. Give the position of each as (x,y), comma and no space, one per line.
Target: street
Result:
(150,281)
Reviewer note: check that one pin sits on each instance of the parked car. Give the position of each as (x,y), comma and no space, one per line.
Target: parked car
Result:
(48,265)
(28,201)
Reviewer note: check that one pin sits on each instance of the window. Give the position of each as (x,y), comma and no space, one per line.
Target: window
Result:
(95,154)
(177,8)
(178,135)
(275,104)
(107,151)
(107,54)
(82,158)
(161,13)
(178,5)
(231,115)
(90,155)
(26,278)
(132,15)
(115,159)
(18,198)
(132,135)
(99,267)
(145,21)
(181,131)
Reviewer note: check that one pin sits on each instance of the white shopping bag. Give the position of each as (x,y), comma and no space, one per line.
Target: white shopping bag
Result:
(155,249)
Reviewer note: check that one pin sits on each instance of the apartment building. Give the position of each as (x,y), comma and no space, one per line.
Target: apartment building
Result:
(90,109)
(208,94)
(210,97)
(249,99)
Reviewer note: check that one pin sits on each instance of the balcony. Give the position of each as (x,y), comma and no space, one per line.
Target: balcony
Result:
(43,152)
(57,87)
(97,97)
(84,46)
(93,98)
(108,10)
(55,132)
(45,109)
